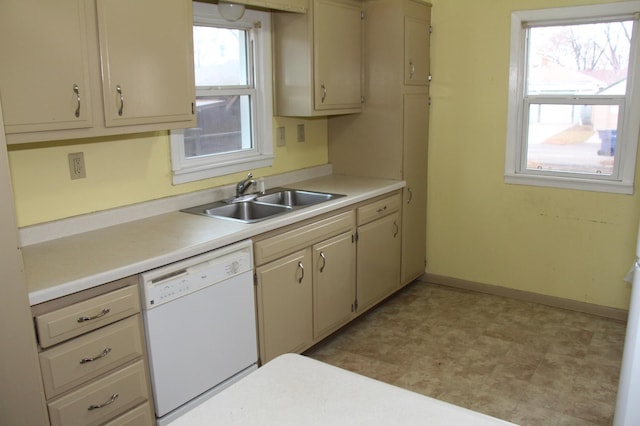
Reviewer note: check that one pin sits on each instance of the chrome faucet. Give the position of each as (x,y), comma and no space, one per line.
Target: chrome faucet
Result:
(244,184)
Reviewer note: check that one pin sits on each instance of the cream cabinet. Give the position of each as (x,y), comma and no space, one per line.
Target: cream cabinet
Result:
(389,138)
(147,61)
(305,278)
(92,357)
(417,28)
(44,78)
(87,68)
(318,59)
(378,261)
(334,275)
(285,323)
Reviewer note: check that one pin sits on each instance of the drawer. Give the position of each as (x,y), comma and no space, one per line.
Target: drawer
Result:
(79,360)
(102,400)
(296,239)
(377,209)
(139,416)
(63,324)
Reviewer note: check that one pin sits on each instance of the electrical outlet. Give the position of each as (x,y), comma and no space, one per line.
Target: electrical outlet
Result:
(300,132)
(76,165)
(281,136)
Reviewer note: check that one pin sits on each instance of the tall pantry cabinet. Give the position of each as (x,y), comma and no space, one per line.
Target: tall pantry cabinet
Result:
(388,139)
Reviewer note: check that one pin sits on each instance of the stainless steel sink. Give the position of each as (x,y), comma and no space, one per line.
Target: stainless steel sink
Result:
(254,208)
(246,211)
(296,197)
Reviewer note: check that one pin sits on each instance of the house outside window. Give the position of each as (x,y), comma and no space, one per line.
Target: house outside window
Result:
(574,100)
(232,63)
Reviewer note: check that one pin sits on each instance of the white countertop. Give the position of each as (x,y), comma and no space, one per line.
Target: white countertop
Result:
(296,390)
(66,265)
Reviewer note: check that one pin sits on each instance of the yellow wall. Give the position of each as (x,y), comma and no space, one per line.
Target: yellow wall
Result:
(570,244)
(128,170)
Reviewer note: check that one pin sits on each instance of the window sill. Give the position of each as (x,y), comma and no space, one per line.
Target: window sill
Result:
(581,184)
(190,174)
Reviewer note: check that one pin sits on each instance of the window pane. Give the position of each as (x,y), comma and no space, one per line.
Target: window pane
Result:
(224,125)
(572,138)
(220,56)
(584,59)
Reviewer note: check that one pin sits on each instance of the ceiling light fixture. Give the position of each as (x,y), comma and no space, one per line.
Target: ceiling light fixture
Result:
(230,11)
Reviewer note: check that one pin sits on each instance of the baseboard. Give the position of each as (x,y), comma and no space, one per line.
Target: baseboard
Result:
(557,302)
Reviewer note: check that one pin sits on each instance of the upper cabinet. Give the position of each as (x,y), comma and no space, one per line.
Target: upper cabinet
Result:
(318,59)
(86,68)
(416,48)
(44,78)
(147,61)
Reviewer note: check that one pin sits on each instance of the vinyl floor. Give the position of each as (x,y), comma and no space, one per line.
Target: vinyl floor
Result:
(522,362)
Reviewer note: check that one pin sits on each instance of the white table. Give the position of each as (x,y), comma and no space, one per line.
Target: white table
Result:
(296,390)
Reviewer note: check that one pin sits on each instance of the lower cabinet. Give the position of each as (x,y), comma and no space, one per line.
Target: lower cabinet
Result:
(308,289)
(284,305)
(313,278)
(379,247)
(92,357)
(334,277)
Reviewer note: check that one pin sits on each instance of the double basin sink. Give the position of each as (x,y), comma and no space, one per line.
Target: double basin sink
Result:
(256,207)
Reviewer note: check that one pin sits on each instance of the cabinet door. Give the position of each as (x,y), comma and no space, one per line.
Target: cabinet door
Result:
(44,77)
(285,309)
(416,50)
(378,264)
(146,50)
(414,212)
(334,283)
(338,54)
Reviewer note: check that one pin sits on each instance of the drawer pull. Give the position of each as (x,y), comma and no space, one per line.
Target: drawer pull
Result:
(381,209)
(102,354)
(102,313)
(104,404)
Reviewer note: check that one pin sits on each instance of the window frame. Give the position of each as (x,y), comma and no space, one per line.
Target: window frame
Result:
(622,179)
(261,155)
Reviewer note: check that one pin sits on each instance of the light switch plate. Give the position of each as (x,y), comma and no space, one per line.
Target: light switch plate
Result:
(300,132)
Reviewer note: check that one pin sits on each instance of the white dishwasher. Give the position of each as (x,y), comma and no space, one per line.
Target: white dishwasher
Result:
(200,324)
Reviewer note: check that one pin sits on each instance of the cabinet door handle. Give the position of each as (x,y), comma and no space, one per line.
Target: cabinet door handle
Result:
(324,92)
(102,313)
(111,400)
(410,195)
(102,354)
(396,229)
(119,90)
(324,261)
(412,68)
(301,272)
(76,90)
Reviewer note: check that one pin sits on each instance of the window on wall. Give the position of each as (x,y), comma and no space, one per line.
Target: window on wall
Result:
(232,66)
(574,107)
